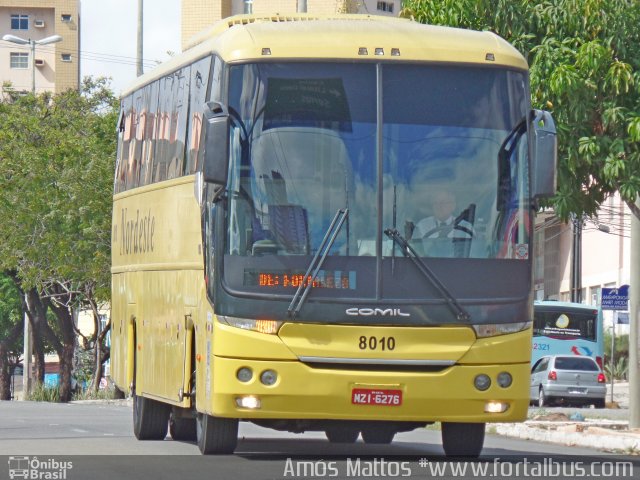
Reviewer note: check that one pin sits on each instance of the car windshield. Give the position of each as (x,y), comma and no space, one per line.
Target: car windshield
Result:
(576,363)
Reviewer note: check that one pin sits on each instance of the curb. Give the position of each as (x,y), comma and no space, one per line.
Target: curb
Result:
(598,435)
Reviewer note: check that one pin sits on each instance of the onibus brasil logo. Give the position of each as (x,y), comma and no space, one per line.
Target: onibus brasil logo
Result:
(33,468)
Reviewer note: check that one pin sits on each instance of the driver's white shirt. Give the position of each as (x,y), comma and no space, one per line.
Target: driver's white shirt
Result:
(432,224)
(431,227)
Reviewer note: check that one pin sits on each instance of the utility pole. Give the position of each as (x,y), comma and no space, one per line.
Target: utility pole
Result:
(634,319)
(576,261)
(140,49)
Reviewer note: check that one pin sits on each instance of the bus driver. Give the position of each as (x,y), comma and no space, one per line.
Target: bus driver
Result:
(441,231)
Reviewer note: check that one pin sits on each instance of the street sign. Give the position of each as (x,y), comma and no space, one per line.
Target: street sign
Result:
(623,318)
(615,298)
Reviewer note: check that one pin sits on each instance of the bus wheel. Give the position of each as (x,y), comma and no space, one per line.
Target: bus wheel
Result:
(462,439)
(378,435)
(542,398)
(150,418)
(342,434)
(216,435)
(182,428)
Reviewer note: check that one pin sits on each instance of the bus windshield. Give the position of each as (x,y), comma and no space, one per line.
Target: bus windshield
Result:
(417,148)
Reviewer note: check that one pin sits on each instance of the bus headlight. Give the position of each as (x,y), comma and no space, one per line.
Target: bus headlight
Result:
(244,374)
(482,382)
(496,407)
(505,379)
(270,327)
(494,329)
(268,377)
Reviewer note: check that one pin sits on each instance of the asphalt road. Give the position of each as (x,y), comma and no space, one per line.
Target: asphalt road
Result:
(98,441)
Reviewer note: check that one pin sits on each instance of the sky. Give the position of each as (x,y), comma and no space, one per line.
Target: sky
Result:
(108,37)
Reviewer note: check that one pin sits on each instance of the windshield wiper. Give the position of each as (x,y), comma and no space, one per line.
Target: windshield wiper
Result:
(461,314)
(316,263)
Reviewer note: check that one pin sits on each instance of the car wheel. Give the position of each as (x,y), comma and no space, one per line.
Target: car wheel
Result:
(543,400)
(599,403)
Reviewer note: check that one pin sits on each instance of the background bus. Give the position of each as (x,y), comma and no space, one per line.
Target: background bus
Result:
(563,328)
(266,264)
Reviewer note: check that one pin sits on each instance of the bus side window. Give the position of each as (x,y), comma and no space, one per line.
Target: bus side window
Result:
(136,137)
(197,98)
(163,127)
(127,138)
(120,171)
(179,109)
(149,133)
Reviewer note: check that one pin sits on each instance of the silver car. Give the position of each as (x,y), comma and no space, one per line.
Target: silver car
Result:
(567,379)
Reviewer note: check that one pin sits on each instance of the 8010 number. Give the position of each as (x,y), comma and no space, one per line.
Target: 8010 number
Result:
(375,343)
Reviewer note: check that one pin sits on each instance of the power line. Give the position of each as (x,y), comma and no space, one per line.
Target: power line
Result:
(93,56)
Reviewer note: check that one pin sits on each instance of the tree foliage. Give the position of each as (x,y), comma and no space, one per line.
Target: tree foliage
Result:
(584,57)
(56,164)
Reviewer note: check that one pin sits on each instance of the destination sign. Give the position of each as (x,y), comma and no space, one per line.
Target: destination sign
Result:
(293,279)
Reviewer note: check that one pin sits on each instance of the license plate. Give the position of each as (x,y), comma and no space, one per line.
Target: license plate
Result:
(579,391)
(366,396)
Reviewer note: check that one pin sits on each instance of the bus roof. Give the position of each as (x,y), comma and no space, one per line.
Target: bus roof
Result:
(340,37)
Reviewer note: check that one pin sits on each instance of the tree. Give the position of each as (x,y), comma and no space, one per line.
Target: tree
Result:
(585,68)
(56,164)
(11,327)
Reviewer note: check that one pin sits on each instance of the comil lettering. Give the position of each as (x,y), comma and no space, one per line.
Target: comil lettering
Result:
(137,235)
(373,312)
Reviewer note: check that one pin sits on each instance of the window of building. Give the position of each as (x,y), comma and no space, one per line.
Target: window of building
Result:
(19,22)
(65,17)
(66,57)
(19,60)
(594,293)
(385,7)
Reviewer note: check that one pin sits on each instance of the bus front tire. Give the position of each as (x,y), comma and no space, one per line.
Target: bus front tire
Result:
(216,435)
(462,439)
(342,434)
(150,418)
(378,435)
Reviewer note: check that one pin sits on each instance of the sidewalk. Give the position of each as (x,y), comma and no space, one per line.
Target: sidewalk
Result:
(606,430)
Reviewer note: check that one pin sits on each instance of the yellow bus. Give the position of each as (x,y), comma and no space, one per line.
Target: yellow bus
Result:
(324,223)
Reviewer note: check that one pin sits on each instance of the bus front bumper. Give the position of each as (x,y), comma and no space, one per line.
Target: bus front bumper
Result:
(301,391)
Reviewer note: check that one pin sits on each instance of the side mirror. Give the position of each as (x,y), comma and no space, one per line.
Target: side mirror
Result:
(216,153)
(544,155)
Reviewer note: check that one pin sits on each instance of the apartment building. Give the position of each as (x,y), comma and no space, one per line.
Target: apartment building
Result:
(200,14)
(56,66)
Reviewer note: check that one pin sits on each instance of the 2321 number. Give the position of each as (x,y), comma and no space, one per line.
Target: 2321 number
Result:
(377,343)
